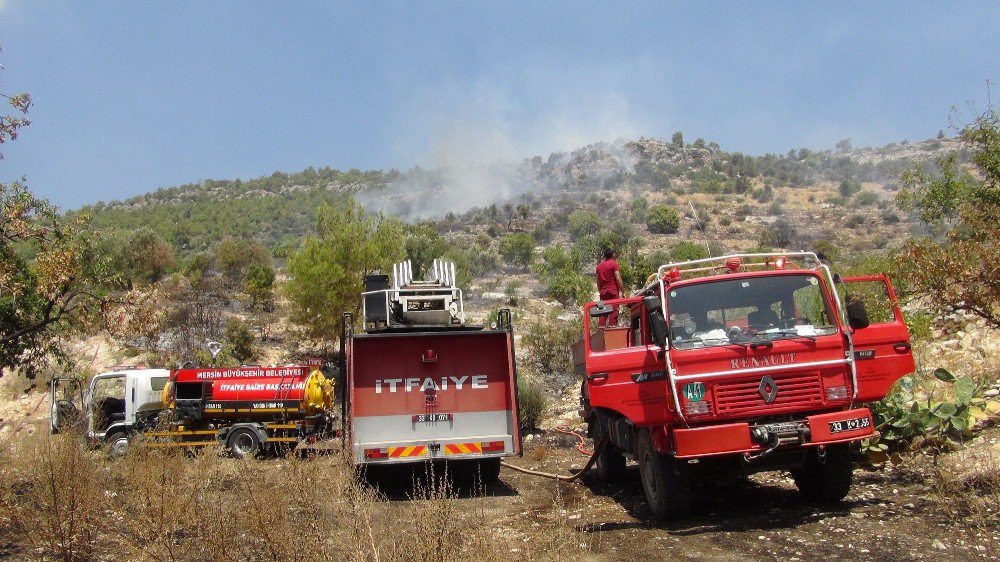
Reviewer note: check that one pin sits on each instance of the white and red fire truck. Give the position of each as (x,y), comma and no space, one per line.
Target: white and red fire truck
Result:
(422,385)
(741,363)
(247,410)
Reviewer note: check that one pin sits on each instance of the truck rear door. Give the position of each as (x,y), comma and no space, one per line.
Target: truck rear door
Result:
(424,395)
(882,349)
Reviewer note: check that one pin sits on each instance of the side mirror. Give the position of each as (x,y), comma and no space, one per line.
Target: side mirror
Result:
(657,324)
(857,315)
(600,309)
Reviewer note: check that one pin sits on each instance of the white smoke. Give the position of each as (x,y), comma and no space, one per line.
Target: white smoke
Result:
(478,147)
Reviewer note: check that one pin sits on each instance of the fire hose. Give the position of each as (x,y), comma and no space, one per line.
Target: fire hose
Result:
(590,462)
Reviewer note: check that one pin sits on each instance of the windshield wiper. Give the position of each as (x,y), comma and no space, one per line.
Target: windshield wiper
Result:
(792,333)
(707,340)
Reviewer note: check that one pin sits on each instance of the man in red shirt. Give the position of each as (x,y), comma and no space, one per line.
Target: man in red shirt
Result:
(609,285)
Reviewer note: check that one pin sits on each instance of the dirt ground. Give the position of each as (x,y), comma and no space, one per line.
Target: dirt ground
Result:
(887,516)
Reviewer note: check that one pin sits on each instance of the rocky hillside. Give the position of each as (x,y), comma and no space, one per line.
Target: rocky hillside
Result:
(278,209)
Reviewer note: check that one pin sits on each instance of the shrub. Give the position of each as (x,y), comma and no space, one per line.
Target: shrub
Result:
(905,422)
(686,251)
(548,343)
(866,198)
(661,219)
(854,221)
(518,249)
(240,341)
(848,188)
(532,403)
(889,217)
(583,223)
(560,271)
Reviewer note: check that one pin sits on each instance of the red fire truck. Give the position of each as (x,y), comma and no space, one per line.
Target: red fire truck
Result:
(421,385)
(742,363)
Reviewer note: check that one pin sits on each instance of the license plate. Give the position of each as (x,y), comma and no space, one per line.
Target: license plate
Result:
(850,425)
(427,418)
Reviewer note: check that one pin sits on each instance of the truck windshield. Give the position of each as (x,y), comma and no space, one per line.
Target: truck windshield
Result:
(747,309)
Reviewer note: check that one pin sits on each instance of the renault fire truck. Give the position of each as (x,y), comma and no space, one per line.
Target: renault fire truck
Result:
(422,385)
(742,363)
(247,410)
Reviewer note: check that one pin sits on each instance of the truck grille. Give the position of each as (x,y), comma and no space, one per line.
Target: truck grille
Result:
(794,389)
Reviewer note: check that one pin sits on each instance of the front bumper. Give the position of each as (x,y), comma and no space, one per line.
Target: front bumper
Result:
(736,437)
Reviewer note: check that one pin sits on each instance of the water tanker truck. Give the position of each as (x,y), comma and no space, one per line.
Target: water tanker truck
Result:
(246,410)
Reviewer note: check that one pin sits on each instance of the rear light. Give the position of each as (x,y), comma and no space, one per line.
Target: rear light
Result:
(376,453)
(779,263)
(836,392)
(492,446)
(697,408)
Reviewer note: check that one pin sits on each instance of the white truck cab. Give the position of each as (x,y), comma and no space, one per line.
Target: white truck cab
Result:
(110,407)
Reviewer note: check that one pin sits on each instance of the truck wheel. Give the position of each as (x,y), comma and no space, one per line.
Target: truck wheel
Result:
(828,479)
(610,465)
(243,443)
(489,471)
(668,490)
(117,443)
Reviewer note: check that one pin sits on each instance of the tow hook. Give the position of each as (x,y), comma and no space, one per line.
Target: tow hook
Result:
(434,447)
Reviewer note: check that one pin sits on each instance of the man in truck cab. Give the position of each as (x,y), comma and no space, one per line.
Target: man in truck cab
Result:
(609,285)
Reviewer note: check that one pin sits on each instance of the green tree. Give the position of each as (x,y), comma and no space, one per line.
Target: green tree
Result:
(677,139)
(518,249)
(327,270)
(661,219)
(52,280)
(423,245)
(240,341)
(957,269)
(259,286)
(234,257)
(137,257)
(560,271)
(582,223)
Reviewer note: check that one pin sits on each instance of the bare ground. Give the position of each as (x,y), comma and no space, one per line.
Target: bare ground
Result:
(892,514)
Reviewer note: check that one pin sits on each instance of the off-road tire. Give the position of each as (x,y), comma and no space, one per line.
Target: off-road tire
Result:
(610,465)
(826,480)
(244,443)
(116,443)
(667,488)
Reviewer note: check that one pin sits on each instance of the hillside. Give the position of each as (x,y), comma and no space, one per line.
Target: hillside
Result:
(277,210)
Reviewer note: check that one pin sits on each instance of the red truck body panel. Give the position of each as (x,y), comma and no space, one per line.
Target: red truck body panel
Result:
(416,396)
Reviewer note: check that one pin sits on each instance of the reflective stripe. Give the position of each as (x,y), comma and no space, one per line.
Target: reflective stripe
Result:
(414,451)
(462,448)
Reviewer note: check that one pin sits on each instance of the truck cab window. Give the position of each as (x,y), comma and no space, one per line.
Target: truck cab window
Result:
(768,307)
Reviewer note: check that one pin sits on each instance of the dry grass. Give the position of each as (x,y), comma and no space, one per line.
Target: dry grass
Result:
(967,488)
(60,501)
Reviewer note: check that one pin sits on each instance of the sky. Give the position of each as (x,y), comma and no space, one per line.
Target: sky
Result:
(134,96)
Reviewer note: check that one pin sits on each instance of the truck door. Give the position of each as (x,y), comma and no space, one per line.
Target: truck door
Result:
(65,404)
(625,370)
(881,349)
(105,403)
